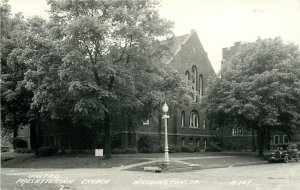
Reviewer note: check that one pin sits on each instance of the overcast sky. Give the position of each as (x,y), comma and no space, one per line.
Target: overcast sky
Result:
(219,23)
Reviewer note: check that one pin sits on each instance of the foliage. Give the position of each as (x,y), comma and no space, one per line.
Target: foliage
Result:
(15,98)
(124,151)
(259,88)
(47,151)
(148,144)
(19,143)
(92,59)
(23,150)
(172,148)
(213,147)
(106,57)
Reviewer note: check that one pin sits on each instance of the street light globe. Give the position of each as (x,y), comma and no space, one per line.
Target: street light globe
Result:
(165,108)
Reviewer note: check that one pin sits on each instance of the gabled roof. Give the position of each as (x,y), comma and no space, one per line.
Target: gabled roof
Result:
(179,42)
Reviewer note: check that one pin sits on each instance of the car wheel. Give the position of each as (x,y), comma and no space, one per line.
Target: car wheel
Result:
(286,159)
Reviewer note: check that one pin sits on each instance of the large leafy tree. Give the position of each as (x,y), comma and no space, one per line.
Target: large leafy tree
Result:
(24,43)
(15,98)
(102,57)
(259,88)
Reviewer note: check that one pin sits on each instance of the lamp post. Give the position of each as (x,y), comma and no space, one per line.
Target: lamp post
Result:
(165,117)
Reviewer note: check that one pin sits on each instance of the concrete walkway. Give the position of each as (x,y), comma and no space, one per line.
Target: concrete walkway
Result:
(189,165)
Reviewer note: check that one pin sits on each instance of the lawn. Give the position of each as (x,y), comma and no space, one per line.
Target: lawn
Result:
(67,161)
(226,161)
(204,163)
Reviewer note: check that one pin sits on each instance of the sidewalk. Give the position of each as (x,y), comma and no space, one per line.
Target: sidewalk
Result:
(187,163)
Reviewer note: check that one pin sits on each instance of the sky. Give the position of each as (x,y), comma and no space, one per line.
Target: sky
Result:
(219,23)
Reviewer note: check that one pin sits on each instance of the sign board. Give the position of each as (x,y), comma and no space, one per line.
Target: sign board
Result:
(98,152)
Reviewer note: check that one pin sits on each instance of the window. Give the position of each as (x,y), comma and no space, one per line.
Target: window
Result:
(182,119)
(285,139)
(201,85)
(182,140)
(194,119)
(187,75)
(194,77)
(146,122)
(237,131)
(276,139)
(204,124)
(205,144)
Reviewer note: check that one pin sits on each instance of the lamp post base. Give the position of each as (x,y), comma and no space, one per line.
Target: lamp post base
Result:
(167,160)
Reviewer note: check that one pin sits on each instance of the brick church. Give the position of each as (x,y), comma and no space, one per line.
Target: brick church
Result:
(186,126)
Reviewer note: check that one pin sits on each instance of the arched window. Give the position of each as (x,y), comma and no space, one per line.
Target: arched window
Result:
(194,77)
(205,144)
(194,119)
(187,75)
(182,119)
(201,85)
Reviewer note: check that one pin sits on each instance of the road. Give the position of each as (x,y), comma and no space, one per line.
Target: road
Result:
(259,177)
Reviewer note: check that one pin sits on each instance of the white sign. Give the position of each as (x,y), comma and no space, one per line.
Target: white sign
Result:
(98,152)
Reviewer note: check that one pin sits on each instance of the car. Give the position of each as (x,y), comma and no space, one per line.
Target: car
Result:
(285,153)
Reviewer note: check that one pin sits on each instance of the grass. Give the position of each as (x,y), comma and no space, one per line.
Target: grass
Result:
(67,161)
(204,163)
(226,162)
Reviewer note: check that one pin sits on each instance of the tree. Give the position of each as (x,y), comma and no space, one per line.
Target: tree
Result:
(106,56)
(15,98)
(259,89)
(24,43)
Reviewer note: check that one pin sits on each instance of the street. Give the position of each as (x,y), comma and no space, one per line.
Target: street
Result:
(260,177)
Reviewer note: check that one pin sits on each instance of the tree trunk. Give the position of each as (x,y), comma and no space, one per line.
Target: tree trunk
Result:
(253,141)
(107,144)
(15,134)
(34,137)
(261,142)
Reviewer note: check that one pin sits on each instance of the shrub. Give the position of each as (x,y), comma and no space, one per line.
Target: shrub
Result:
(172,149)
(197,149)
(115,141)
(148,144)
(23,150)
(212,147)
(229,146)
(19,143)
(187,149)
(46,151)
(124,151)
(130,151)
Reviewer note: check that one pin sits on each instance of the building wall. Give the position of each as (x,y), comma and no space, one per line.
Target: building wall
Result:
(190,53)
